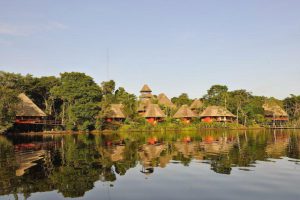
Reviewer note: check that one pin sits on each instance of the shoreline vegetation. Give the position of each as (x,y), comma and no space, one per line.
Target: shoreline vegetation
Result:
(78,103)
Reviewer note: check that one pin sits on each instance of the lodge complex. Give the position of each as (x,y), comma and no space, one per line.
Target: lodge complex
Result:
(153,108)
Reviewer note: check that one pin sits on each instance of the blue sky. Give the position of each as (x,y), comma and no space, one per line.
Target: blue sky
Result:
(173,45)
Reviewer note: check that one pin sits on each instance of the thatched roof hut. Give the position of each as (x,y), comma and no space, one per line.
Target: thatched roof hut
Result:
(196,104)
(116,111)
(216,111)
(143,104)
(154,111)
(274,110)
(27,108)
(164,100)
(146,92)
(145,88)
(184,112)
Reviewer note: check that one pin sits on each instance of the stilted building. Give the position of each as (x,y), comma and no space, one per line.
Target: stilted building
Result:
(217,114)
(145,99)
(28,112)
(154,114)
(275,114)
(116,113)
(146,93)
(185,114)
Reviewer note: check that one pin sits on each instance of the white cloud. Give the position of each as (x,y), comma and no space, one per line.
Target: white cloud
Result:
(27,29)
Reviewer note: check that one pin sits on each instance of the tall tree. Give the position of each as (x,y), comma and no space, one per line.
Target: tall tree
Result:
(217,95)
(182,100)
(80,96)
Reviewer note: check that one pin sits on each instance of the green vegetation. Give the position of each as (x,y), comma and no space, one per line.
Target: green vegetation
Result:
(81,104)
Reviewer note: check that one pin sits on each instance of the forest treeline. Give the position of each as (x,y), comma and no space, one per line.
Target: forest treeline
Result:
(82,104)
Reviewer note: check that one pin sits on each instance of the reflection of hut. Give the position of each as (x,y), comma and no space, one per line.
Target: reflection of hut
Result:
(196,105)
(148,154)
(275,113)
(28,112)
(218,114)
(191,149)
(27,160)
(116,153)
(277,148)
(154,114)
(185,114)
(221,145)
(165,101)
(116,113)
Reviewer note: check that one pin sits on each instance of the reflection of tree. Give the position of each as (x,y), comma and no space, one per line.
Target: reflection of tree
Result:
(221,164)
(8,165)
(293,150)
(81,167)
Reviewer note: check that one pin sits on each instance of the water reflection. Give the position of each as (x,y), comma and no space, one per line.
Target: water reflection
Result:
(71,164)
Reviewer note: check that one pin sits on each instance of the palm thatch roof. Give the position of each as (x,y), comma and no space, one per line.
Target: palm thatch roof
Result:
(143,104)
(116,111)
(164,100)
(146,88)
(216,111)
(184,112)
(153,110)
(274,110)
(27,108)
(196,104)
(146,96)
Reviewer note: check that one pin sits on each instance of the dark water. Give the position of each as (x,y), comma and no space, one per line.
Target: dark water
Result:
(205,165)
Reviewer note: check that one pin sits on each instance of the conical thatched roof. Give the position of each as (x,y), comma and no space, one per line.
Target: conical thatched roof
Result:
(196,104)
(216,111)
(27,108)
(153,110)
(146,88)
(116,111)
(184,112)
(274,110)
(164,100)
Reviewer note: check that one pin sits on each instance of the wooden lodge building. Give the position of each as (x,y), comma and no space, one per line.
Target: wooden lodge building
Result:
(116,113)
(154,114)
(28,112)
(217,114)
(185,114)
(275,114)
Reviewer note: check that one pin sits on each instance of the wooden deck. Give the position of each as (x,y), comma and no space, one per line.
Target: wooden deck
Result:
(39,122)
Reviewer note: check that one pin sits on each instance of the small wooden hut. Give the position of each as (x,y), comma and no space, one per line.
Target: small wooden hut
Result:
(165,101)
(28,112)
(196,106)
(116,113)
(185,114)
(275,114)
(217,114)
(154,114)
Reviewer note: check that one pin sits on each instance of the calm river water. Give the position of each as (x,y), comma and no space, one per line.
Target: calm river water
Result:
(204,165)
